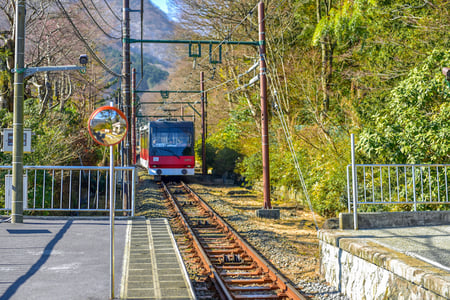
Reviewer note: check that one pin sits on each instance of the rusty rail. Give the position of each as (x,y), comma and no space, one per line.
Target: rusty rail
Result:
(235,268)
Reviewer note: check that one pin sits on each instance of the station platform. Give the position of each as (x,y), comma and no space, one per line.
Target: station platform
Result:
(68,258)
(388,263)
(153,267)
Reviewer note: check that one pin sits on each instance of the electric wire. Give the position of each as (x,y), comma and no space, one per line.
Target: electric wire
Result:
(274,79)
(141,44)
(112,11)
(273,10)
(101,16)
(88,47)
(288,136)
(222,42)
(243,20)
(95,22)
(234,29)
(280,114)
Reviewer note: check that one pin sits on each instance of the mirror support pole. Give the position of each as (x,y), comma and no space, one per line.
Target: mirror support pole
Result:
(112,196)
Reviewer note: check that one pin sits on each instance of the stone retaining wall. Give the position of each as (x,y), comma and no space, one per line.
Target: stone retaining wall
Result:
(362,269)
(395,219)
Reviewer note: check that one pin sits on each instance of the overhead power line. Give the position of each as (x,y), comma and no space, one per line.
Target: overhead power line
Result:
(224,41)
(114,14)
(95,22)
(218,46)
(289,140)
(88,47)
(101,16)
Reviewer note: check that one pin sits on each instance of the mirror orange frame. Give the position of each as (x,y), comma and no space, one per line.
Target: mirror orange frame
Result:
(107,126)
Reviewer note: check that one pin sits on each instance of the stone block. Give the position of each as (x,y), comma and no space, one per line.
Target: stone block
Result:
(395,219)
(268,213)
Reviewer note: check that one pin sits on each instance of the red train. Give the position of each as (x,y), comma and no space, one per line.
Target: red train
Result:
(167,148)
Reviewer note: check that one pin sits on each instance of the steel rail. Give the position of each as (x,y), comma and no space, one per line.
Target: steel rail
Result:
(213,274)
(288,289)
(244,274)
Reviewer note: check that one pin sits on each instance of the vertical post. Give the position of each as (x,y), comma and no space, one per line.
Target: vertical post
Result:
(133,192)
(264,114)
(355,186)
(133,114)
(202,89)
(126,96)
(182,112)
(112,196)
(349,196)
(17,160)
(414,187)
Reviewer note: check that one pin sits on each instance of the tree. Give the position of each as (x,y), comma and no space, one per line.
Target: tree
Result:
(414,127)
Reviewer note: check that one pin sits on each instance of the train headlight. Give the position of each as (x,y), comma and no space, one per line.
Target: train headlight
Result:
(154,166)
(188,166)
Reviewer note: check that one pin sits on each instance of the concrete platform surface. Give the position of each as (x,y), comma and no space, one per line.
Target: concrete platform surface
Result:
(388,263)
(154,268)
(427,243)
(59,259)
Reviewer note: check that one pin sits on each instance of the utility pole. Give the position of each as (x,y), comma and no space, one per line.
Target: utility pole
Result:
(202,89)
(133,114)
(17,159)
(126,95)
(264,114)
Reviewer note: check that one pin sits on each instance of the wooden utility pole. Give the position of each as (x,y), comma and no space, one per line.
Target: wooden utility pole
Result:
(264,114)
(17,159)
(133,114)
(126,83)
(202,89)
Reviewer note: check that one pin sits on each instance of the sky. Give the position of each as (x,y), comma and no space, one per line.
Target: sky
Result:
(162,4)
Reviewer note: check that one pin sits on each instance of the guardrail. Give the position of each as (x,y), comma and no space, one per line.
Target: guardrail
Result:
(68,188)
(396,184)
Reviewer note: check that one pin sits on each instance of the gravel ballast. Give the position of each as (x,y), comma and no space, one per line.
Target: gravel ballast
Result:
(289,243)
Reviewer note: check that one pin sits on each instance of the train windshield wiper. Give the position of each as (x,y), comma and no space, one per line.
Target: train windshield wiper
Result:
(170,151)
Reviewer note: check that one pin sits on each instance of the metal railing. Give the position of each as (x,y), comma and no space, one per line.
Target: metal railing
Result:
(68,188)
(396,184)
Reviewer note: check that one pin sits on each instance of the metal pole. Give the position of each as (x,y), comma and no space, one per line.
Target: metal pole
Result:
(112,196)
(133,114)
(17,159)
(126,96)
(264,114)
(202,89)
(355,186)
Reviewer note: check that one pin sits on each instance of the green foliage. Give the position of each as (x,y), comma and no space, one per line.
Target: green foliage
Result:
(222,152)
(153,72)
(57,136)
(153,75)
(344,25)
(414,127)
(5,122)
(251,168)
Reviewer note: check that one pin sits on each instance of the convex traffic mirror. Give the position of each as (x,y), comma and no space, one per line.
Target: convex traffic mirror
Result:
(107,126)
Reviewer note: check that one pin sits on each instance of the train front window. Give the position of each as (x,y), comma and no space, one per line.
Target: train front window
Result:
(171,142)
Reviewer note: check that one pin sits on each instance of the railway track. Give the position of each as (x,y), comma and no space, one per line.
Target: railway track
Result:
(231,266)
